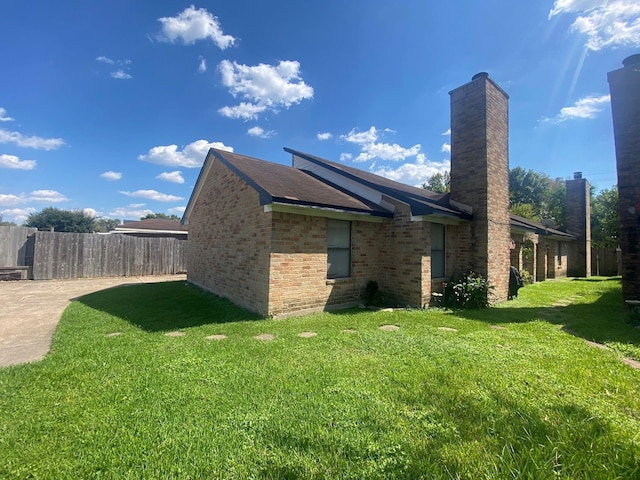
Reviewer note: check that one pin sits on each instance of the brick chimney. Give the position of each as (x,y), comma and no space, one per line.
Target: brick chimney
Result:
(578,222)
(624,85)
(480,174)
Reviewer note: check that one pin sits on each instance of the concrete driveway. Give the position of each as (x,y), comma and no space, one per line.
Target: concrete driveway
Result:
(30,311)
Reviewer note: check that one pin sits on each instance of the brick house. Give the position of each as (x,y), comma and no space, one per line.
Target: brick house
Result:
(283,240)
(624,85)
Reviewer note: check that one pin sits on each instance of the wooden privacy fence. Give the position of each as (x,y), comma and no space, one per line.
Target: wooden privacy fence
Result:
(13,245)
(84,255)
(605,261)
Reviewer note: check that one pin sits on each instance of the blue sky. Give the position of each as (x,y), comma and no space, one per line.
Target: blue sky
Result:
(112,105)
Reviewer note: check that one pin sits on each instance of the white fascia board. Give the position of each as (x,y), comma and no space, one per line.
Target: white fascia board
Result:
(322,212)
(337,179)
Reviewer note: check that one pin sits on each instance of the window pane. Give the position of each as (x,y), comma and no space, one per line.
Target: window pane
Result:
(339,234)
(437,236)
(437,264)
(438,267)
(338,263)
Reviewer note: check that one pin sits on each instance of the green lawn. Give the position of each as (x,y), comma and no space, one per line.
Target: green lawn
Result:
(507,395)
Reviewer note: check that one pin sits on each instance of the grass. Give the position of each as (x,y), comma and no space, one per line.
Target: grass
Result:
(525,401)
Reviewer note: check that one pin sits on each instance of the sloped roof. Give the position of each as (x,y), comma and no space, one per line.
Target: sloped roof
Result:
(280,184)
(421,201)
(156,225)
(523,223)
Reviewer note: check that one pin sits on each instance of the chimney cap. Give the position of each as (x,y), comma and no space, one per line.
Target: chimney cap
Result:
(479,75)
(577,175)
(631,61)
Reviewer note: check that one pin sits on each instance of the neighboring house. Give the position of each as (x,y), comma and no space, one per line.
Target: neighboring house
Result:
(153,227)
(282,240)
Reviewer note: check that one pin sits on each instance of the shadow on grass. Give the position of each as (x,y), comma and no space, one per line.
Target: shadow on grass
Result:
(602,321)
(156,307)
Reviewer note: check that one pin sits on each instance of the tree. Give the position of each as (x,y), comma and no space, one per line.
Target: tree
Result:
(161,215)
(536,194)
(104,225)
(605,227)
(75,221)
(6,224)
(438,182)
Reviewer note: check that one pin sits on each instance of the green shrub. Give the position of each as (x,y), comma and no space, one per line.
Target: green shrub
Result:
(527,278)
(373,295)
(469,290)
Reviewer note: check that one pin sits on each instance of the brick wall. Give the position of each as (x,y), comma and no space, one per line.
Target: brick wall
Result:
(298,282)
(624,85)
(230,240)
(578,222)
(480,174)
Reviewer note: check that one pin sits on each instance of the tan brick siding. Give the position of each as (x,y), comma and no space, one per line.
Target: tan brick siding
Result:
(624,85)
(230,240)
(480,175)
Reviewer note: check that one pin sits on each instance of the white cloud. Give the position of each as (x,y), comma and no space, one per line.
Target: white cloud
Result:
(107,60)
(245,111)
(90,212)
(11,161)
(447,132)
(202,66)
(324,136)
(361,138)
(587,107)
(111,175)
(192,156)
(260,132)
(174,177)
(344,157)
(263,86)
(177,210)
(122,72)
(4,117)
(17,215)
(153,195)
(47,196)
(372,149)
(605,23)
(42,196)
(9,199)
(192,25)
(120,75)
(386,151)
(446,147)
(415,173)
(38,143)
(130,212)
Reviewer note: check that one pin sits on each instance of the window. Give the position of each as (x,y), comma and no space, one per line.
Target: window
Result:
(338,249)
(437,250)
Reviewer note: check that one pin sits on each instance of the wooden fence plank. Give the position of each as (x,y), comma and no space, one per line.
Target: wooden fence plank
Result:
(74,255)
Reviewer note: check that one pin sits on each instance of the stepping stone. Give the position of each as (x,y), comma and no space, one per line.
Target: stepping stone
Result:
(265,337)
(307,334)
(497,327)
(447,329)
(348,330)
(174,334)
(632,363)
(390,328)
(114,334)
(216,337)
